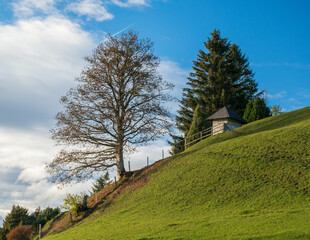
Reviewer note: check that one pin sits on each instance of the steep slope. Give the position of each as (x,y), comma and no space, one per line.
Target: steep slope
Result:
(252,183)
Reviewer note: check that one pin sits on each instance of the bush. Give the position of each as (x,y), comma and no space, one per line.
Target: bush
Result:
(20,233)
(75,202)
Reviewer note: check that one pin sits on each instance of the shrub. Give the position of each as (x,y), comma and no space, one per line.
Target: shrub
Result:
(20,233)
(75,202)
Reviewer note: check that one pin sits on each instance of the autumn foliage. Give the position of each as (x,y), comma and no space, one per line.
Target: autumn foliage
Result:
(20,233)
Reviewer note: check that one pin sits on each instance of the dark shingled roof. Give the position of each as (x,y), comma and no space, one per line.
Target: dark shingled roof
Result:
(226,112)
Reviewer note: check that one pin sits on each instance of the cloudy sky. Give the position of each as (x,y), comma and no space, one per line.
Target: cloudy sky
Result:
(43,42)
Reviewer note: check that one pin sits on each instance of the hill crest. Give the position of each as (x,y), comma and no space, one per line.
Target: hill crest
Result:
(257,176)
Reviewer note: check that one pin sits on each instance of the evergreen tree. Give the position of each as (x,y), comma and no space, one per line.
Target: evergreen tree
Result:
(17,216)
(101,183)
(198,124)
(177,144)
(248,109)
(221,77)
(256,109)
(2,234)
(43,216)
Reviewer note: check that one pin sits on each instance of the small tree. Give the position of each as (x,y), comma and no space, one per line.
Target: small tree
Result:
(20,233)
(117,105)
(198,124)
(276,110)
(75,202)
(101,183)
(177,144)
(256,109)
(248,110)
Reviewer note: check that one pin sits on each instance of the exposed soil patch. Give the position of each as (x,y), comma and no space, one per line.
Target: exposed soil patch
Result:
(132,180)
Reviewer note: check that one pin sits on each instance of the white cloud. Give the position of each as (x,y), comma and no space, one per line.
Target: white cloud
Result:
(278,95)
(24,149)
(3,213)
(138,159)
(130,3)
(16,194)
(44,194)
(294,100)
(27,8)
(39,61)
(27,185)
(32,174)
(172,72)
(32,49)
(303,94)
(91,9)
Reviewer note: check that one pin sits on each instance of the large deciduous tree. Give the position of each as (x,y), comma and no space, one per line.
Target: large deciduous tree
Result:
(221,77)
(117,105)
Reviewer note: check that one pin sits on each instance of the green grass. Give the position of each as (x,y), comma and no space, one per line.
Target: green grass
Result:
(253,183)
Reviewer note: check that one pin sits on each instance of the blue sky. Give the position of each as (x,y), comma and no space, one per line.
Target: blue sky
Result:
(43,42)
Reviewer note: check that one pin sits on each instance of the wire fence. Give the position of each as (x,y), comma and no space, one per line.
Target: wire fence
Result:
(148,161)
(192,139)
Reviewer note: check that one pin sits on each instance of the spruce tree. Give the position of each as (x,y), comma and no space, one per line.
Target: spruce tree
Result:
(221,77)
(198,124)
(177,144)
(17,216)
(256,109)
(248,109)
(101,183)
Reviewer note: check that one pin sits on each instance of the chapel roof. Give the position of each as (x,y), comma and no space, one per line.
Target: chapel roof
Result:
(226,112)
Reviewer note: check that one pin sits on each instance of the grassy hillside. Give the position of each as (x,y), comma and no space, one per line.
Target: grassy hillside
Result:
(252,183)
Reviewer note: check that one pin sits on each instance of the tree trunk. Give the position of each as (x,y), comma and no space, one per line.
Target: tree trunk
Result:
(120,162)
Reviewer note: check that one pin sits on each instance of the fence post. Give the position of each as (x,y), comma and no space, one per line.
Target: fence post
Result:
(185,143)
(163,153)
(129,165)
(39,231)
(71,217)
(147,161)
(115,182)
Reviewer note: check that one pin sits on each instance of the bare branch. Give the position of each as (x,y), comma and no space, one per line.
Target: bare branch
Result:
(117,104)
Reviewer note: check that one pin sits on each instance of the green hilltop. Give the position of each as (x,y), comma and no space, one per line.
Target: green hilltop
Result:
(251,183)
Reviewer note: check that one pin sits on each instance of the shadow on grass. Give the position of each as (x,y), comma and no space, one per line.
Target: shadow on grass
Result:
(282,236)
(267,124)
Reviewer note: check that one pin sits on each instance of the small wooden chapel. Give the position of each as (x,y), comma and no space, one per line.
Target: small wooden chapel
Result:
(224,120)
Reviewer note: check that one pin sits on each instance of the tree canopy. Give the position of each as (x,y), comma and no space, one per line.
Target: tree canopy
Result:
(221,77)
(117,105)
